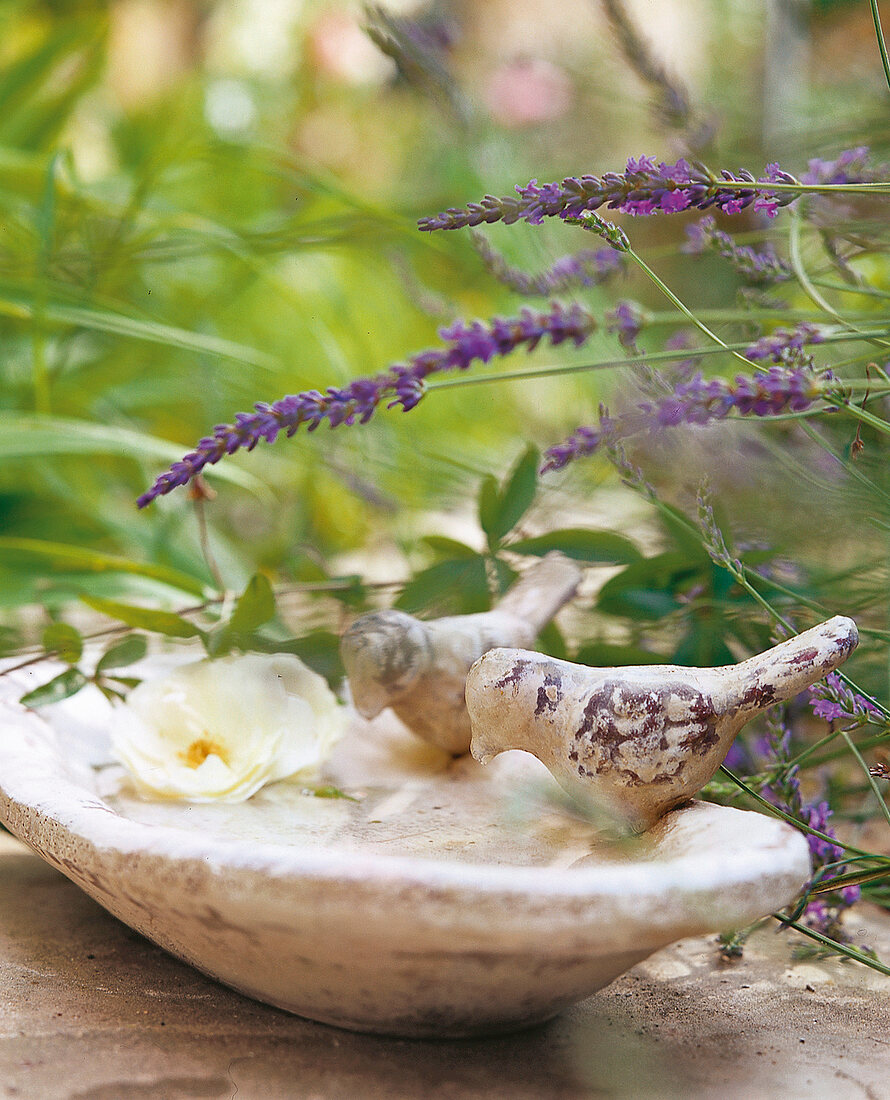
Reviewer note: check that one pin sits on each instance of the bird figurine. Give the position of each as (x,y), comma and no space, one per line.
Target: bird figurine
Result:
(419,668)
(635,742)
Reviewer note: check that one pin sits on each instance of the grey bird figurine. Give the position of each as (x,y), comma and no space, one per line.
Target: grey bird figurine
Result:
(635,742)
(419,668)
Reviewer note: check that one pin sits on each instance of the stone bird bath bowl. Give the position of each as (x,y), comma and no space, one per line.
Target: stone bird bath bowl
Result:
(448,900)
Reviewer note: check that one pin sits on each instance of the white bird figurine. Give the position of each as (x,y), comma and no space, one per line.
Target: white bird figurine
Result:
(637,741)
(419,668)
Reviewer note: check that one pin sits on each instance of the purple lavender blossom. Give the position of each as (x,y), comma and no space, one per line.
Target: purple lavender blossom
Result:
(698,401)
(850,166)
(403,383)
(583,441)
(834,701)
(822,912)
(784,342)
(590,267)
(645,187)
(626,320)
(755,267)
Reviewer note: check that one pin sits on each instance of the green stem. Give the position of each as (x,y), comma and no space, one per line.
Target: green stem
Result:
(871,779)
(792,820)
(666,290)
(841,948)
(882,45)
(656,357)
(867,743)
(879,188)
(794,254)
(855,878)
(869,418)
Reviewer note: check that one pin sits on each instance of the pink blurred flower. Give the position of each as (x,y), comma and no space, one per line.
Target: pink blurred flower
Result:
(527,90)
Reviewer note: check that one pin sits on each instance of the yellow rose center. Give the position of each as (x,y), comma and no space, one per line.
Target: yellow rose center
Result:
(199,750)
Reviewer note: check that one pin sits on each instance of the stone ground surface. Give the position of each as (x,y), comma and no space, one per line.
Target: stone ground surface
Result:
(91,1011)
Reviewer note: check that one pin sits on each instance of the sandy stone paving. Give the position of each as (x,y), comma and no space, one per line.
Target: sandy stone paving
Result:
(91,1011)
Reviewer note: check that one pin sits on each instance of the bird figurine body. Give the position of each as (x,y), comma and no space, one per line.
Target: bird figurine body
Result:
(419,668)
(635,742)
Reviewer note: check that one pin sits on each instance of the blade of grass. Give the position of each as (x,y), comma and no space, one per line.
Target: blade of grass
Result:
(19,306)
(64,557)
(29,436)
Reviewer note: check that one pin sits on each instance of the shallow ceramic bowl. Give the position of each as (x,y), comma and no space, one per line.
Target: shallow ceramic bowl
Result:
(447,900)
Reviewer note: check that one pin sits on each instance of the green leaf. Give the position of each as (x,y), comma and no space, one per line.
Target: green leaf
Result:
(127,681)
(167,623)
(65,641)
(355,595)
(551,642)
(602,547)
(646,588)
(454,549)
(703,647)
(20,305)
(320,650)
(500,511)
(63,558)
(330,791)
(488,507)
(448,587)
(123,653)
(61,687)
(604,655)
(255,606)
(504,576)
(519,492)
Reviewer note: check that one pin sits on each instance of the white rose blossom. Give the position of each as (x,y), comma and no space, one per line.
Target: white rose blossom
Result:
(218,730)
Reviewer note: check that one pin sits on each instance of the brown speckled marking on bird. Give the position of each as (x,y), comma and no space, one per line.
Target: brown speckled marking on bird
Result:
(758,696)
(636,735)
(513,676)
(549,694)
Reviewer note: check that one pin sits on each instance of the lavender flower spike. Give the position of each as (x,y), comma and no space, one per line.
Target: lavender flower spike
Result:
(589,267)
(755,267)
(402,383)
(696,402)
(785,344)
(645,187)
(834,701)
(784,791)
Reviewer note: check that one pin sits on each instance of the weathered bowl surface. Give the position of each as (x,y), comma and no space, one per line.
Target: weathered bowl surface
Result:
(448,900)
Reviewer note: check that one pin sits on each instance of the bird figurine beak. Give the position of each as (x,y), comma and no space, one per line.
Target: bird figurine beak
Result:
(635,742)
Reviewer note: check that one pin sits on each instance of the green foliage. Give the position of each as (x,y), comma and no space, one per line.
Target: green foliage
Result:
(144,618)
(61,687)
(593,547)
(500,509)
(126,652)
(63,640)
(253,609)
